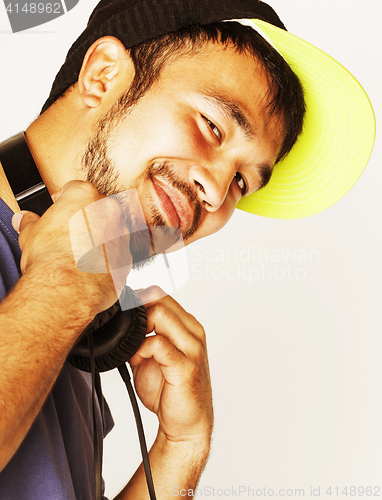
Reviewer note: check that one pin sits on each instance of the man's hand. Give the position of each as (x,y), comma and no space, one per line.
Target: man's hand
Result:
(171,377)
(47,246)
(171,372)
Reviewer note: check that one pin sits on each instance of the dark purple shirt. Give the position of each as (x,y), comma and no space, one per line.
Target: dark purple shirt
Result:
(55,460)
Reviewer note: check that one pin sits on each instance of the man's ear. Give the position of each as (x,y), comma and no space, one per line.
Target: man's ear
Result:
(103,70)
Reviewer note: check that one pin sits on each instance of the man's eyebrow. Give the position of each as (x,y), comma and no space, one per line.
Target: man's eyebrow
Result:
(265,172)
(232,110)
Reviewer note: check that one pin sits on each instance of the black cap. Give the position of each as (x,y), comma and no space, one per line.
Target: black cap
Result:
(137,21)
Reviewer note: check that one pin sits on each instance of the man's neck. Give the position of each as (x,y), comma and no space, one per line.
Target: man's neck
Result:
(50,154)
(57,141)
(45,150)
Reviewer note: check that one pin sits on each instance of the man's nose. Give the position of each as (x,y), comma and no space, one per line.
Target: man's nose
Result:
(212,182)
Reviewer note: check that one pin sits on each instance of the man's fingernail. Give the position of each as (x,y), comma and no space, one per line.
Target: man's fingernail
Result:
(16,219)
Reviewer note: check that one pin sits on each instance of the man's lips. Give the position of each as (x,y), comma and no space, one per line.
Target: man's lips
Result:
(176,206)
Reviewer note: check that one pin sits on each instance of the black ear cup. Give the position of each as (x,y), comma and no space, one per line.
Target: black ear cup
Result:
(117,335)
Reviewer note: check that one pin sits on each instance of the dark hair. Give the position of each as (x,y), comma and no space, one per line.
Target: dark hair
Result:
(285,97)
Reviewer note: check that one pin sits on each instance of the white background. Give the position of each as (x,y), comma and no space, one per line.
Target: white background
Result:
(295,363)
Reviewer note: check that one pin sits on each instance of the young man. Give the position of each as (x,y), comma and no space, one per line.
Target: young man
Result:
(203,132)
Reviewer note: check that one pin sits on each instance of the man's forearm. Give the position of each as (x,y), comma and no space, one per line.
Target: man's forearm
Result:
(39,322)
(175,467)
(51,304)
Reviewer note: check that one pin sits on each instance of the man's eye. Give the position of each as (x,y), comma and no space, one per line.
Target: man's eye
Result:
(241,183)
(214,129)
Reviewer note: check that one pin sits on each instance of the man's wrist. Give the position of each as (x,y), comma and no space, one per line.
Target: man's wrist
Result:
(196,448)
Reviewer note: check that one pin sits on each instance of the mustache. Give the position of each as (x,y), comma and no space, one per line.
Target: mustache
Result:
(167,172)
(101,172)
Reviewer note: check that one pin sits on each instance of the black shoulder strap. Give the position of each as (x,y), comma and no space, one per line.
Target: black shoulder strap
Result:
(23,175)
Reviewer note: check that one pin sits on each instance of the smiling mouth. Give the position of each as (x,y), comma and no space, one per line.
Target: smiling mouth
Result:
(176,207)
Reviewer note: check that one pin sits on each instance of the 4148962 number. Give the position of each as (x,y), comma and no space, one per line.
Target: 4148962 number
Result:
(34,8)
(353,491)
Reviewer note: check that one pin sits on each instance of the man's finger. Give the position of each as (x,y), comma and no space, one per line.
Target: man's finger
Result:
(154,295)
(70,191)
(21,219)
(57,195)
(168,324)
(162,351)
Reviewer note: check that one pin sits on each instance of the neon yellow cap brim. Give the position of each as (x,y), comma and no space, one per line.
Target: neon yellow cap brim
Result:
(336,142)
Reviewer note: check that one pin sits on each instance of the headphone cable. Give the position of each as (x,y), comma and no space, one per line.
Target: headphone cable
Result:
(142,441)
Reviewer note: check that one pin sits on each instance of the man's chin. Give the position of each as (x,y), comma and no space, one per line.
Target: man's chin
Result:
(146,244)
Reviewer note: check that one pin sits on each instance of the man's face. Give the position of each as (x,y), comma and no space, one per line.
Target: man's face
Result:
(196,142)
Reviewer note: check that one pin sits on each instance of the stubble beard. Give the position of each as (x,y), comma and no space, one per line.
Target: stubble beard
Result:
(147,238)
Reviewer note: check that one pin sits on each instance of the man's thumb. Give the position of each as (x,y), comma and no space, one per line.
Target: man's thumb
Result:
(22,219)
